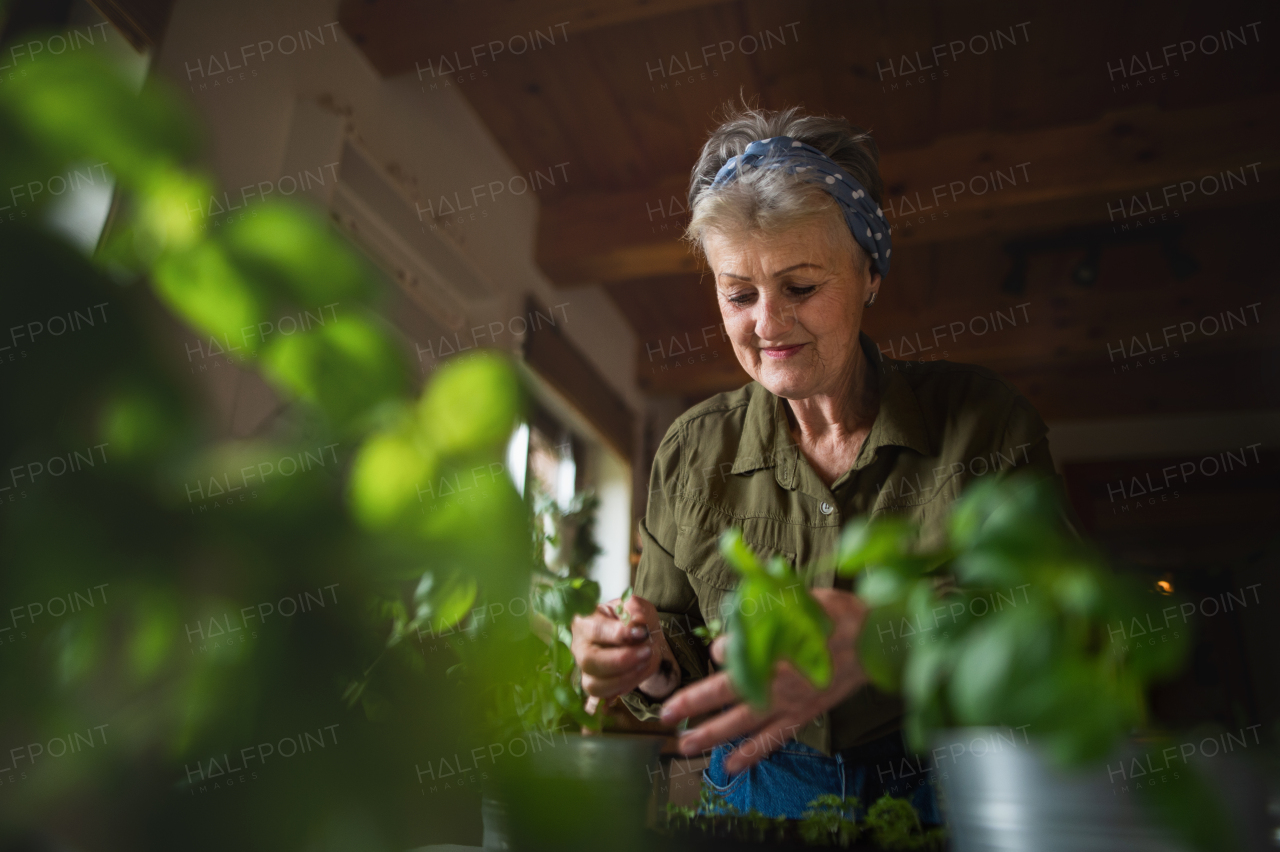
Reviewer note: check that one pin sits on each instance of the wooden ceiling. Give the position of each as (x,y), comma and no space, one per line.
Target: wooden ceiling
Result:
(612,89)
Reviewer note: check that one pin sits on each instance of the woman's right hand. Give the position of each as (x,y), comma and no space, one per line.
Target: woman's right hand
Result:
(616,656)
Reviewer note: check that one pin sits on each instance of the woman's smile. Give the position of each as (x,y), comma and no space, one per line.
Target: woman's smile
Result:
(781,353)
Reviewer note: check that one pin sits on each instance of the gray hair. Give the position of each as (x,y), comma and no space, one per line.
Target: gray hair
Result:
(769,201)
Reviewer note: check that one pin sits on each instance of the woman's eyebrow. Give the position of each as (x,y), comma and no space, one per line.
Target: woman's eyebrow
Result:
(776,274)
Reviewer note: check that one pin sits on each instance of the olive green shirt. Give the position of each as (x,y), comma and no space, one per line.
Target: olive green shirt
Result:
(731,461)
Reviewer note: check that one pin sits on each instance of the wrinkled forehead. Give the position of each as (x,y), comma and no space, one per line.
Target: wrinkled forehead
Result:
(736,256)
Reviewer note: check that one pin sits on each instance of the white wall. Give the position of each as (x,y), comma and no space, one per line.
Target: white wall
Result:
(431,140)
(613,524)
(433,143)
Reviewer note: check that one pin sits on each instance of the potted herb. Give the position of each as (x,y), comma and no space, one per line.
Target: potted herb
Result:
(1002,626)
(577,783)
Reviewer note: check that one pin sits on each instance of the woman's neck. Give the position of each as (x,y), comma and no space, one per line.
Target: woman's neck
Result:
(831,427)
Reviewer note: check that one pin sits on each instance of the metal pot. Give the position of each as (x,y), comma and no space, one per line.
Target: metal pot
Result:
(579,793)
(1001,793)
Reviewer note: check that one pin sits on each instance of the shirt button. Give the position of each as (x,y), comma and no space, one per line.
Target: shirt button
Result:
(826,508)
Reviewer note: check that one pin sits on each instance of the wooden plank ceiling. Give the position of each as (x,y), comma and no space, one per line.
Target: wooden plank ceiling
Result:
(627,91)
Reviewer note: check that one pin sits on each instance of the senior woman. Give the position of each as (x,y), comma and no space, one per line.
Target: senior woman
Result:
(786,209)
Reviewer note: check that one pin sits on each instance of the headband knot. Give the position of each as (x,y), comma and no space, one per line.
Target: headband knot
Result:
(865,220)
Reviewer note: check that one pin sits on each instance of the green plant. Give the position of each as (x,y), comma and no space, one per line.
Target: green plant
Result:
(895,825)
(572,533)
(765,634)
(171,710)
(1012,609)
(830,821)
(711,803)
(713,630)
(1008,621)
(620,608)
(680,817)
(545,692)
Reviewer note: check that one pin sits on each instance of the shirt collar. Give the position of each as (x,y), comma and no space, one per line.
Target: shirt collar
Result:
(900,422)
(766,439)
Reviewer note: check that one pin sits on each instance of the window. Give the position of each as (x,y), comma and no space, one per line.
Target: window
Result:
(584,489)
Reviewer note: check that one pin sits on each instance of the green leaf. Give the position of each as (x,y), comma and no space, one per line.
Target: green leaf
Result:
(387,477)
(621,609)
(471,404)
(81,108)
(1077,589)
(926,671)
(296,252)
(881,647)
(884,541)
(165,220)
(882,586)
(155,623)
(740,557)
(750,654)
(566,598)
(765,624)
(446,601)
(345,368)
(206,289)
(139,423)
(982,668)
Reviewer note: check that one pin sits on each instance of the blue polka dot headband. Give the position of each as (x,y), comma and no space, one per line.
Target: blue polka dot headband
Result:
(865,220)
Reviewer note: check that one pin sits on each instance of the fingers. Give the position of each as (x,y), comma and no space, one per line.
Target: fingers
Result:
(773,736)
(600,629)
(642,612)
(601,661)
(612,687)
(710,693)
(721,728)
(718,649)
(843,607)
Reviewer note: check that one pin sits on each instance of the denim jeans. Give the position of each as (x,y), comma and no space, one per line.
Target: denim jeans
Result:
(783,784)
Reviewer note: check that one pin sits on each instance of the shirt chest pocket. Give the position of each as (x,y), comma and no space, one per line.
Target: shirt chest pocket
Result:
(697,553)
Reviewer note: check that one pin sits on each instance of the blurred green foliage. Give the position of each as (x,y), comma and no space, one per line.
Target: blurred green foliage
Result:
(1008,622)
(1011,621)
(1022,632)
(761,634)
(233,603)
(545,687)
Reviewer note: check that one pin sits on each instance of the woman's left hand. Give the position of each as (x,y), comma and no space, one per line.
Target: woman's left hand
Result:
(794,701)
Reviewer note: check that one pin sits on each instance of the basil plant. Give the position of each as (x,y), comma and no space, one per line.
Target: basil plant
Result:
(1003,622)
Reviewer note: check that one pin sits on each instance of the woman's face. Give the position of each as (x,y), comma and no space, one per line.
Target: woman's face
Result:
(792,305)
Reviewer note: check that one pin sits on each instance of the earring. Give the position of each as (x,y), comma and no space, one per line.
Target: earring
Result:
(872,300)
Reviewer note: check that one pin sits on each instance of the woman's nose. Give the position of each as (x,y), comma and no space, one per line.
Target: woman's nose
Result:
(774,318)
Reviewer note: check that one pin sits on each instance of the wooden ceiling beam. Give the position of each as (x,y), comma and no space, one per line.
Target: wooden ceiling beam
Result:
(1067,176)
(398,36)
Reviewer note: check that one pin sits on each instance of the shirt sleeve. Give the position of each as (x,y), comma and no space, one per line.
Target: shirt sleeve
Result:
(661,582)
